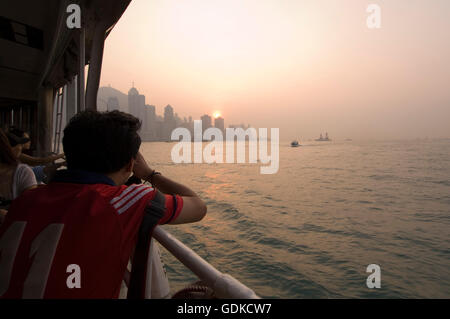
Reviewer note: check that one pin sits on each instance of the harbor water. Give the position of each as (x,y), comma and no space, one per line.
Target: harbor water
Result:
(333,208)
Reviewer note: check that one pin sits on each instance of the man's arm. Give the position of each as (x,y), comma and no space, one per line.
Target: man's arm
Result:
(194,209)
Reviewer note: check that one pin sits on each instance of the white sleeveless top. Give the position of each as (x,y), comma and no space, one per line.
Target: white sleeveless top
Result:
(23,178)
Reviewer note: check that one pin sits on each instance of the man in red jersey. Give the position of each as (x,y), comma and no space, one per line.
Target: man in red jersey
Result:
(74,237)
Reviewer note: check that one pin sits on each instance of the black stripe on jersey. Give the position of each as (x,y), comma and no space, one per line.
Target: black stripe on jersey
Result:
(153,213)
(175,206)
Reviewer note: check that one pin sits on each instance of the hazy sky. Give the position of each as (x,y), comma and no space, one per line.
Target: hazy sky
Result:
(305,66)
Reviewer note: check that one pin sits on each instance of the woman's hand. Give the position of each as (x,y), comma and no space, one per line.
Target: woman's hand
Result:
(57,157)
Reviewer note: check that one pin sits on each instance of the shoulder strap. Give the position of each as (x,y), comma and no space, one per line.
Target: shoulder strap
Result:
(153,213)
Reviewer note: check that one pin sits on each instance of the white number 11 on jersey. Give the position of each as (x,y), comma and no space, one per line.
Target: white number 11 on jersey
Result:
(43,250)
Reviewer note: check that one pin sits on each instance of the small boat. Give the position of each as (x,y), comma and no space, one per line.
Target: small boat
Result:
(323,139)
(295,144)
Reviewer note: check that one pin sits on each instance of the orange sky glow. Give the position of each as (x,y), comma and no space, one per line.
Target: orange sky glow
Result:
(304,66)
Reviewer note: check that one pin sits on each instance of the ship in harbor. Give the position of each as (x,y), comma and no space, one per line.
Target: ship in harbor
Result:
(323,139)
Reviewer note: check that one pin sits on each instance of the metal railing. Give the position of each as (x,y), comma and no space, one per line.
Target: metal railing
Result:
(224,286)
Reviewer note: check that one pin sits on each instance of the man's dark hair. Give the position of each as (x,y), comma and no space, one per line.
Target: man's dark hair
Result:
(101,142)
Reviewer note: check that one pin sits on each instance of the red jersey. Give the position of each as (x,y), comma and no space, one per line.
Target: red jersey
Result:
(80,225)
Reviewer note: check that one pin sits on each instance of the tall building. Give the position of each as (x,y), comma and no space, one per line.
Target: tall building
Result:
(206,122)
(151,123)
(136,103)
(112,104)
(168,113)
(144,112)
(169,123)
(220,124)
(159,129)
(133,93)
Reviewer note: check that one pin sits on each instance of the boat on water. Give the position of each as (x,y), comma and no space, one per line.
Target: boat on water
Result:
(42,80)
(295,144)
(323,139)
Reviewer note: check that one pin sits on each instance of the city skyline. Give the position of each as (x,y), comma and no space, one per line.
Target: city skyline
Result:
(157,127)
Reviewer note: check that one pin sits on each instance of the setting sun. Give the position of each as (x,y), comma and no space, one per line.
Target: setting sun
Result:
(216,114)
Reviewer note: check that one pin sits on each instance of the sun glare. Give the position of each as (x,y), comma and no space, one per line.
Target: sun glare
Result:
(216,114)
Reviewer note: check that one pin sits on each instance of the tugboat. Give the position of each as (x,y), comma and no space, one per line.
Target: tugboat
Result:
(295,144)
(323,139)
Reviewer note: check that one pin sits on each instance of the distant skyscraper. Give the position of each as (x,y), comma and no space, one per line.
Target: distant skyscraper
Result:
(159,128)
(137,108)
(206,122)
(151,111)
(136,103)
(149,123)
(168,113)
(220,124)
(112,104)
(169,122)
